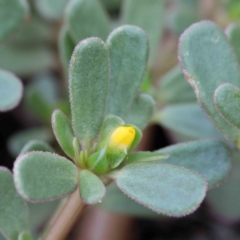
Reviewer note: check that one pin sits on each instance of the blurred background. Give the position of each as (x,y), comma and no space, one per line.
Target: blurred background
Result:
(38,51)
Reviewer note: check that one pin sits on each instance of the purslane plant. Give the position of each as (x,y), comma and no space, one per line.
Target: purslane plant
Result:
(106,122)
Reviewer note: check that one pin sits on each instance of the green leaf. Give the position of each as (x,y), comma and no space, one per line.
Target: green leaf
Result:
(145,157)
(92,189)
(28,60)
(17,141)
(208,61)
(66,47)
(11,91)
(110,123)
(40,176)
(13,210)
(86,18)
(36,145)
(141,111)
(164,188)
(24,236)
(116,201)
(128,53)
(187,119)
(227,102)
(63,133)
(210,158)
(149,15)
(173,88)
(51,9)
(233,33)
(98,162)
(224,200)
(88,73)
(12,14)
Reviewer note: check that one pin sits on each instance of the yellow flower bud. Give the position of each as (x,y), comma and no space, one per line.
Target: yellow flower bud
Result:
(122,137)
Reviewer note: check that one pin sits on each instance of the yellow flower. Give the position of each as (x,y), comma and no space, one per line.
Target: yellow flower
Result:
(122,137)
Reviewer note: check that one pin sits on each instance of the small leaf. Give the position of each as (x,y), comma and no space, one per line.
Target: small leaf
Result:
(63,132)
(98,162)
(152,22)
(24,236)
(224,200)
(187,119)
(36,145)
(110,123)
(163,188)
(12,14)
(86,18)
(11,91)
(128,53)
(13,210)
(173,88)
(233,33)
(145,157)
(137,139)
(17,141)
(88,87)
(208,60)
(227,102)
(141,111)
(210,158)
(92,190)
(40,176)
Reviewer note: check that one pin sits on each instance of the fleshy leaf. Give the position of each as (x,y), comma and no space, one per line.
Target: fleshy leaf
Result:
(173,88)
(88,73)
(128,53)
(63,132)
(92,189)
(145,157)
(210,158)
(137,139)
(187,119)
(40,176)
(141,111)
(86,18)
(98,162)
(151,23)
(224,200)
(13,210)
(17,141)
(227,102)
(11,91)
(208,60)
(163,188)
(12,14)
(36,145)
(233,33)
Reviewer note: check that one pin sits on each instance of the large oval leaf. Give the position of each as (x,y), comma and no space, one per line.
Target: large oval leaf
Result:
(164,188)
(88,86)
(41,176)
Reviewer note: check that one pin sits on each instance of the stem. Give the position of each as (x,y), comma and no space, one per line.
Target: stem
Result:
(66,218)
